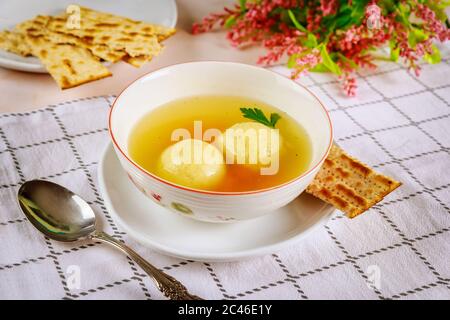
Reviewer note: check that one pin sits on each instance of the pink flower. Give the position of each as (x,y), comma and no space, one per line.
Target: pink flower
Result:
(156,196)
(313,20)
(213,19)
(305,62)
(280,45)
(328,6)
(432,23)
(268,23)
(349,85)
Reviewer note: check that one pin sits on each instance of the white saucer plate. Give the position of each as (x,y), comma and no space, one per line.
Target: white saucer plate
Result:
(182,237)
(162,12)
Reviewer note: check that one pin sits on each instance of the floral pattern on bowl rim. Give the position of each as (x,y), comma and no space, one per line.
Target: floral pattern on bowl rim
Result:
(153,195)
(182,208)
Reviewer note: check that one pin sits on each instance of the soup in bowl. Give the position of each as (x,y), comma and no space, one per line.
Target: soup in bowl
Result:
(219,141)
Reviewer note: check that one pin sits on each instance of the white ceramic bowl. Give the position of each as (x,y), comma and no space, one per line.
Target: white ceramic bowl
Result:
(218,78)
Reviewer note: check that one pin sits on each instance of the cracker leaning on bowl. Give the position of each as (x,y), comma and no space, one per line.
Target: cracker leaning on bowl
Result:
(350,185)
(73,56)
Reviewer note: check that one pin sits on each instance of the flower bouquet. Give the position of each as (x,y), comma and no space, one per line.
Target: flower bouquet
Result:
(337,36)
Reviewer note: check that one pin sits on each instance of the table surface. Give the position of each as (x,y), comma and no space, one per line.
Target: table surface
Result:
(398,124)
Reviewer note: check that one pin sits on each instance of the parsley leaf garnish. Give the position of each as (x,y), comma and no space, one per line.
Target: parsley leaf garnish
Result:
(258,116)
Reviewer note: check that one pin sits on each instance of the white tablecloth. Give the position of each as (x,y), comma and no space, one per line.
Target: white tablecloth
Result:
(400,249)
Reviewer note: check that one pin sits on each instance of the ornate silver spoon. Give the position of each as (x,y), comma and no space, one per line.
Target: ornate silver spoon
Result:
(63,216)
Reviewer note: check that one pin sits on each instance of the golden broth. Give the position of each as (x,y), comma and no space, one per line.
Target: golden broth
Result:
(152,135)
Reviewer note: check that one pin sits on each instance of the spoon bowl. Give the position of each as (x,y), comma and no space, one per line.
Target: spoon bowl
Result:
(56,211)
(62,215)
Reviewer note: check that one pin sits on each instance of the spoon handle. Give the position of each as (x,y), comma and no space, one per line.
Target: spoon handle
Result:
(168,285)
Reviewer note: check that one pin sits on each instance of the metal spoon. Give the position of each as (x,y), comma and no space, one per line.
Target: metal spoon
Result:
(62,215)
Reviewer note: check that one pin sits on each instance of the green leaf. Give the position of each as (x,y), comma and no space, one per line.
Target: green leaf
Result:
(242,4)
(319,68)
(328,62)
(274,117)
(258,116)
(344,19)
(415,36)
(395,51)
(230,22)
(358,11)
(295,21)
(328,21)
(433,58)
(403,14)
(311,41)
(348,61)
(292,61)
(387,6)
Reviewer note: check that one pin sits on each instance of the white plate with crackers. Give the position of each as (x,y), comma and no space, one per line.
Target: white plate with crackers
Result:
(12,13)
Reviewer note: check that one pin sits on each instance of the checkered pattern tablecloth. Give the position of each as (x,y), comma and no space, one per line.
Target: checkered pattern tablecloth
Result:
(398,123)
